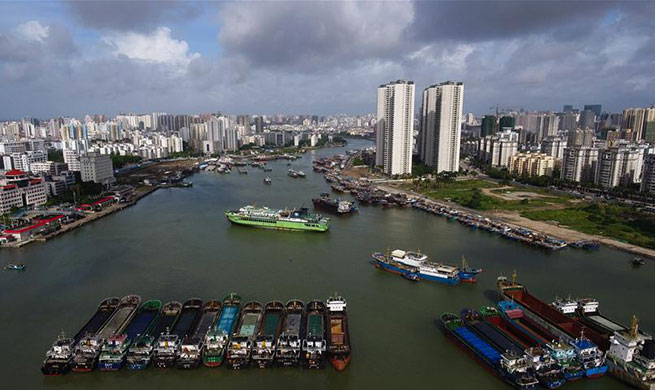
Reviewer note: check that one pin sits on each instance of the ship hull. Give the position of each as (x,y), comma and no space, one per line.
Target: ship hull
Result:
(339,362)
(188,364)
(596,371)
(87,366)
(621,374)
(279,225)
(164,362)
(212,361)
(137,366)
(56,368)
(114,366)
(394,269)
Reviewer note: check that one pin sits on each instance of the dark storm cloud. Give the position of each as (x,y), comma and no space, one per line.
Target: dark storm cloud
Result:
(140,15)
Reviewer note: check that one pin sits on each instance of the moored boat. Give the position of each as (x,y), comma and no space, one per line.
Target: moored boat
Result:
(289,343)
(114,350)
(314,345)
(240,347)
(338,206)
(140,352)
(263,351)
(338,338)
(190,352)
(217,339)
(631,357)
(59,358)
(168,343)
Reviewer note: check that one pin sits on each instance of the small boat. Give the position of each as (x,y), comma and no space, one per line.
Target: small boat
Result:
(301,174)
(267,169)
(338,347)
(292,173)
(411,276)
(243,171)
(638,261)
(267,180)
(15,267)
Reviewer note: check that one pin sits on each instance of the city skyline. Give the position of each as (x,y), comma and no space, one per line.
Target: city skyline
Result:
(64,59)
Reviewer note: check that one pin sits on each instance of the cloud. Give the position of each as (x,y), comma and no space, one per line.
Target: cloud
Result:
(33,31)
(157,46)
(141,15)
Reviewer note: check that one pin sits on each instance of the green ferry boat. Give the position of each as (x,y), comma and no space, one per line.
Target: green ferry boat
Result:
(298,220)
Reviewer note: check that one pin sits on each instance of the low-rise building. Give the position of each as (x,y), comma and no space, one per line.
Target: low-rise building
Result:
(97,168)
(532,164)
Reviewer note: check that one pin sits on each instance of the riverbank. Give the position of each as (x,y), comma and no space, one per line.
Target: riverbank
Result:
(517,221)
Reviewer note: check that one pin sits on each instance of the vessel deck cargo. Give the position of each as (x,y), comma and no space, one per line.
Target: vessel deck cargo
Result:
(288,346)
(217,338)
(338,338)
(168,344)
(140,352)
(314,345)
(240,348)
(266,340)
(191,347)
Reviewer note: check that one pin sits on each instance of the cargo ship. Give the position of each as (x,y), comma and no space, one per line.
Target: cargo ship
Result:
(263,217)
(240,348)
(114,350)
(168,344)
(189,355)
(468,274)
(59,358)
(263,351)
(289,343)
(314,344)
(631,357)
(338,206)
(417,265)
(338,346)
(561,352)
(218,337)
(140,352)
(586,342)
(88,351)
(507,366)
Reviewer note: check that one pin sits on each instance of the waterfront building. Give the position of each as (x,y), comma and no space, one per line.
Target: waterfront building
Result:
(497,150)
(441,126)
(18,189)
(620,165)
(579,163)
(532,164)
(97,168)
(554,146)
(395,127)
(648,176)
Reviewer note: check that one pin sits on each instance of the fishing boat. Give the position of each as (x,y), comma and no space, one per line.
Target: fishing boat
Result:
(338,206)
(631,357)
(267,169)
(240,348)
(506,365)
(292,173)
(89,348)
(243,171)
(301,174)
(115,349)
(289,343)
(15,267)
(586,342)
(637,261)
(468,274)
(267,180)
(59,359)
(168,344)
(406,262)
(263,217)
(218,337)
(141,349)
(314,345)
(190,353)
(338,338)
(263,351)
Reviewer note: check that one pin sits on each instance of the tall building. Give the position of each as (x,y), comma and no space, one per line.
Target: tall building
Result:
(497,150)
(553,146)
(568,121)
(18,189)
(395,127)
(507,122)
(588,119)
(579,163)
(488,125)
(634,119)
(596,108)
(648,176)
(567,108)
(620,165)
(581,137)
(97,168)
(259,124)
(441,126)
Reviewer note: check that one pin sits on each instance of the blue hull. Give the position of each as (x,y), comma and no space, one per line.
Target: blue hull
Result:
(596,371)
(573,376)
(393,268)
(136,366)
(553,384)
(110,366)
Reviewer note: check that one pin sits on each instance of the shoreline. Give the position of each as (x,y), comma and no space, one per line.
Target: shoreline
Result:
(515,220)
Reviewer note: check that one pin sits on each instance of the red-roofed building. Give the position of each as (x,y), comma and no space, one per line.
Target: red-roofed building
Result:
(18,189)
(38,225)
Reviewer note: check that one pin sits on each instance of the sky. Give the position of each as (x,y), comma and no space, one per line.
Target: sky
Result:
(328,57)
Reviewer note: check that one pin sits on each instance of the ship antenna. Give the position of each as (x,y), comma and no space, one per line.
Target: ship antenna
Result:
(633,326)
(514,277)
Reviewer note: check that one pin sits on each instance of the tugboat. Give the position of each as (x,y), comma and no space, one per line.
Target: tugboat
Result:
(140,352)
(114,351)
(217,339)
(89,348)
(168,344)
(240,348)
(334,205)
(338,347)
(59,358)
(192,345)
(290,342)
(263,351)
(314,344)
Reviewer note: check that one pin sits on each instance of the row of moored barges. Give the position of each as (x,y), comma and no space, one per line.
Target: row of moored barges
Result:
(127,332)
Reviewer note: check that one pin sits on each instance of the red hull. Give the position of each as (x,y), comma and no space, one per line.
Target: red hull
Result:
(340,364)
(82,369)
(474,280)
(212,365)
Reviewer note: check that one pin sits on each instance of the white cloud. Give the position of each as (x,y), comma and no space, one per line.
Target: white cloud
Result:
(33,31)
(157,47)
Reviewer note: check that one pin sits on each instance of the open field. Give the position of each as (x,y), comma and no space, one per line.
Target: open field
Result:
(615,221)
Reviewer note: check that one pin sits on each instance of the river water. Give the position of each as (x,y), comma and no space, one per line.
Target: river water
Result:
(176,244)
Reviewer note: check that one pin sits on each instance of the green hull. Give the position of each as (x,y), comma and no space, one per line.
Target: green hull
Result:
(212,361)
(281,225)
